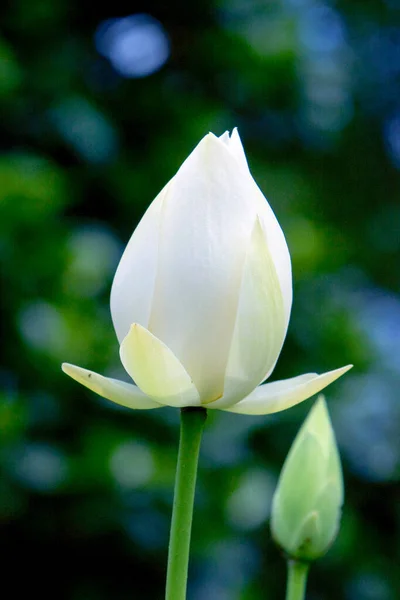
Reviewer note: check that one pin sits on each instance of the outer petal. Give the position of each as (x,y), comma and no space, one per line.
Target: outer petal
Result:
(276,239)
(117,391)
(279,395)
(260,327)
(133,286)
(206,227)
(235,145)
(156,370)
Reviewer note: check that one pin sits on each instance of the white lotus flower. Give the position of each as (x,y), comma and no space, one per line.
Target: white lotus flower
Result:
(201,298)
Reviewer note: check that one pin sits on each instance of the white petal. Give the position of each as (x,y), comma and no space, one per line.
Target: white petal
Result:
(276,239)
(279,252)
(206,227)
(236,146)
(225,138)
(279,395)
(133,285)
(156,370)
(117,391)
(260,327)
(180,274)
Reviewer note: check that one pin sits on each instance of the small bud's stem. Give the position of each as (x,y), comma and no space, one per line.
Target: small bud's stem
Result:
(297,580)
(192,423)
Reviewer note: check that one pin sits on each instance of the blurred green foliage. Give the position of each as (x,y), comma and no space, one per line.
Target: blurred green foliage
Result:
(97,116)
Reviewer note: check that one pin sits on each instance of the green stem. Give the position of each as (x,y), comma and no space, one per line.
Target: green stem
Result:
(192,423)
(297,580)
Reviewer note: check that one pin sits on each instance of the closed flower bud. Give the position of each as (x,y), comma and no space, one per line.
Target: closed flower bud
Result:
(307,503)
(201,298)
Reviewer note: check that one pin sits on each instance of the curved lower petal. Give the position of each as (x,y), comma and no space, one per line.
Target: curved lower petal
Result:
(279,395)
(133,285)
(115,390)
(156,370)
(260,327)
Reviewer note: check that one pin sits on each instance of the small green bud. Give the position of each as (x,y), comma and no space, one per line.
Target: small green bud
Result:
(307,503)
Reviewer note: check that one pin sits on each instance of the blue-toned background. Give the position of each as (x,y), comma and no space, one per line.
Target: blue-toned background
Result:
(100,104)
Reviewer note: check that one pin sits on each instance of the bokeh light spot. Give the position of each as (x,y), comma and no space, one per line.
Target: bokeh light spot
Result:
(392,138)
(40,467)
(132,464)
(250,503)
(94,252)
(43,327)
(86,129)
(136,45)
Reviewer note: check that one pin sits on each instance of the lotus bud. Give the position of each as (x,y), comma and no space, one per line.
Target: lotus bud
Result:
(306,507)
(202,296)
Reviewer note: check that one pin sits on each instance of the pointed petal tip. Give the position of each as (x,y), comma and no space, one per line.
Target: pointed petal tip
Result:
(342,370)
(79,374)
(319,410)
(235,133)
(321,399)
(334,374)
(134,331)
(68,368)
(209,143)
(74,371)
(211,137)
(230,133)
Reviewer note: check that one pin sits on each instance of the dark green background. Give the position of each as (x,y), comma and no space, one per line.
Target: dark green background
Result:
(86,487)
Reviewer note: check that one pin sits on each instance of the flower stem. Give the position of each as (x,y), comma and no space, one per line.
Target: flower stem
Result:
(297,580)
(192,423)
